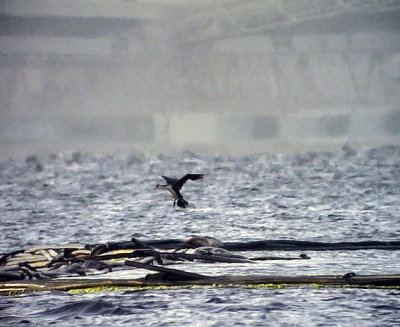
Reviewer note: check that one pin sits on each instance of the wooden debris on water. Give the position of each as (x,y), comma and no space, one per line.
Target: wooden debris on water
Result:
(37,268)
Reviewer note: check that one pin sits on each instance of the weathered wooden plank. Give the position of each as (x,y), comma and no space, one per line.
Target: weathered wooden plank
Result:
(55,247)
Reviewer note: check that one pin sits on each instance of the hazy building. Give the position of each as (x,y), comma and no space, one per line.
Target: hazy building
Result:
(218,77)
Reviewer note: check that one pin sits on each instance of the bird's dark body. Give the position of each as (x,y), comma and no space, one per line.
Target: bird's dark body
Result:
(174,186)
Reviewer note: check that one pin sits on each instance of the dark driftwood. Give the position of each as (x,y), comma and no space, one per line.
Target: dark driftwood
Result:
(370,281)
(264,258)
(268,245)
(292,245)
(328,280)
(173,277)
(50,262)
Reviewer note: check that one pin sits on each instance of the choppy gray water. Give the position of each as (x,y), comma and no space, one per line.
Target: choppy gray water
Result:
(80,198)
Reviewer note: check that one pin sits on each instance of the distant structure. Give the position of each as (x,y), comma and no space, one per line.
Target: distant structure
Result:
(215,77)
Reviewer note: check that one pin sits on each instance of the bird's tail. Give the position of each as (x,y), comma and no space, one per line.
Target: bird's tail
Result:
(182,203)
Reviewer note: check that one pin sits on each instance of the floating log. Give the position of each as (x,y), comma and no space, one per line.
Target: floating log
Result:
(45,263)
(264,258)
(266,245)
(322,280)
(292,245)
(361,281)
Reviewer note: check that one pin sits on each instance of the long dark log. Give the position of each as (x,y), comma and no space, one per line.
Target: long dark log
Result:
(327,280)
(266,258)
(387,281)
(292,245)
(283,245)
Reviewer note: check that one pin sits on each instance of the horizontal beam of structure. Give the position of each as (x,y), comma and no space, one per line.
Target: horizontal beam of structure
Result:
(78,8)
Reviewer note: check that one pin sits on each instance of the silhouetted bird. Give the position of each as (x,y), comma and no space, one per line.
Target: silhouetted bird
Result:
(174,185)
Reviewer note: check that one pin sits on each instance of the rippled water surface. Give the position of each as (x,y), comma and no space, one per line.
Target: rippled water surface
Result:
(348,195)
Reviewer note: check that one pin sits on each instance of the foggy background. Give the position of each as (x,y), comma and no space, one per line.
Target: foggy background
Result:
(227,77)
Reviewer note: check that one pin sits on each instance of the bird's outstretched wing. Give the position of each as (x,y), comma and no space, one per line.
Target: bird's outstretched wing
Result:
(192,177)
(169,180)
